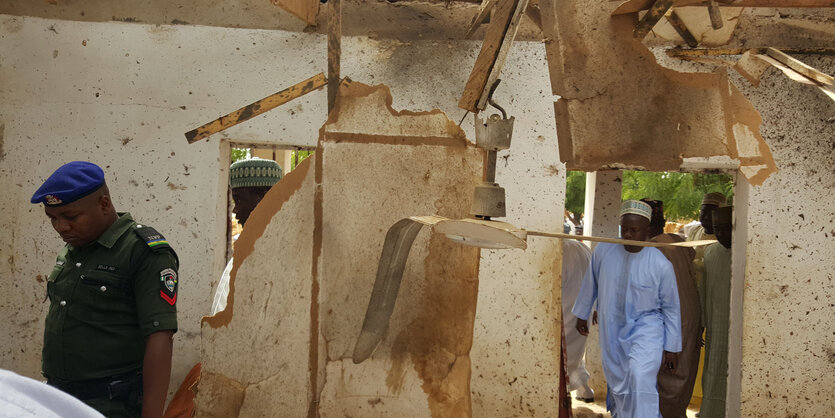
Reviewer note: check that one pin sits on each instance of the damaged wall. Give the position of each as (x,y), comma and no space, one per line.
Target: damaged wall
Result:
(606,117)
(789,288)
(156,82)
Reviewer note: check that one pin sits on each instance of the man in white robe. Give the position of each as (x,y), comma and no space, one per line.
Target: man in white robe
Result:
(639,314)
(575,262)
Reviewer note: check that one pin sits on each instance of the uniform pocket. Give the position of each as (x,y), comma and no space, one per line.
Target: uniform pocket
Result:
(106,285)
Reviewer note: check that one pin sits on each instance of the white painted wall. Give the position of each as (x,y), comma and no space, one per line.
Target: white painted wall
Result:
(122,95)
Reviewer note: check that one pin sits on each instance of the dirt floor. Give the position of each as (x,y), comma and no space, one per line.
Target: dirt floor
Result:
(598,408)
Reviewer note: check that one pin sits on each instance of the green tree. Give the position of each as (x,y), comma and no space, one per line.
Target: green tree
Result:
(575,194)
(681,192)
(239,154)
(298,157)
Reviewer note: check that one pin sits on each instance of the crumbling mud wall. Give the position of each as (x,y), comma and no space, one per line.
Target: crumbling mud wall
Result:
(323,226)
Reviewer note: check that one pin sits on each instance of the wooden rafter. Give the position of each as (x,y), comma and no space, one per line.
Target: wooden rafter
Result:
(497,41)
(651,18)
(638,5)
(681,28)
(256,108)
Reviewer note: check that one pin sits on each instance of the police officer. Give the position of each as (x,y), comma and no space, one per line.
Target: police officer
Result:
(112,293)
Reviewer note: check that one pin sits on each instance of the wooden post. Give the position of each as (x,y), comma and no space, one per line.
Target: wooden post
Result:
(334,50)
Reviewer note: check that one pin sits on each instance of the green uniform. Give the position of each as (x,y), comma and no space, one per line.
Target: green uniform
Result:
(105,299)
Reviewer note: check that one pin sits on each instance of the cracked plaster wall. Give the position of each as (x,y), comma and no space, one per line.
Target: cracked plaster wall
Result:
(156,82)
(788,349)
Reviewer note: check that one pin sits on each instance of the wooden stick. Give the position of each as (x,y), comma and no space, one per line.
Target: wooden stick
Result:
(681,28)
(334,50)
(715,15)
(486,6)
(254,109)
(651,18)
(621,241)
(800,67)
(634,6)
(685,53)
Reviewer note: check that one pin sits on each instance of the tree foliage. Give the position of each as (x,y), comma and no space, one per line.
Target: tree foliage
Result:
(575,193)
(239,154)
(681,192)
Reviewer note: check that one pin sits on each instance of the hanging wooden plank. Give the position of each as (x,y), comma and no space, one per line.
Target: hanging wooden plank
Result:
(334,50)
(497,42)
(256,108)
(306,10)
(651,18)
(486,59)
(515,19)
(800,67)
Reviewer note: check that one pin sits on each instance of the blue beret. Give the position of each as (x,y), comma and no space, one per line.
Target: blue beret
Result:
(68,183)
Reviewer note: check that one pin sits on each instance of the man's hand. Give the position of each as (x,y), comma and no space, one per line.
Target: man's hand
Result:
(582,327)
(670,363)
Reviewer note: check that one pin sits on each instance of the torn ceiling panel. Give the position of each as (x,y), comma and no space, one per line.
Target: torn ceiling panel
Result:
(618,106)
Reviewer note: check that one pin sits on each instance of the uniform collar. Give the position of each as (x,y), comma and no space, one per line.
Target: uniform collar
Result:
(122,225)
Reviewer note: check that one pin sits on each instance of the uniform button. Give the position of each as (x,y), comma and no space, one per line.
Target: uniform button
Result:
(156,323)
(78,264)
(103,288)
(63,303)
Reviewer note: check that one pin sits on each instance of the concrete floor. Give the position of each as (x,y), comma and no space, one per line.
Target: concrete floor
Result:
(598,408)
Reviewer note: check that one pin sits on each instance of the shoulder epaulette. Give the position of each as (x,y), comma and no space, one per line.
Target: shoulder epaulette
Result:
(154,239)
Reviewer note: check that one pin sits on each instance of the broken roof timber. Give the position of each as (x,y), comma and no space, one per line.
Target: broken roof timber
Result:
(633,6)
(702,52)
(256,108)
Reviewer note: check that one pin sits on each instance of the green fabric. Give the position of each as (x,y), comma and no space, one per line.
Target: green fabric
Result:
(104,300)
(254,172)
(716,303)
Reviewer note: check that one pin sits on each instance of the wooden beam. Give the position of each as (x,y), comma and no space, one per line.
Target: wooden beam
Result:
(797,65)
(254,109)
(638,5)
(651,18)
(488,56)
(715,15)
(702,52)
(334,50)
(483,11)
(306,10)
(553,49)
(510,34)
(681,28)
